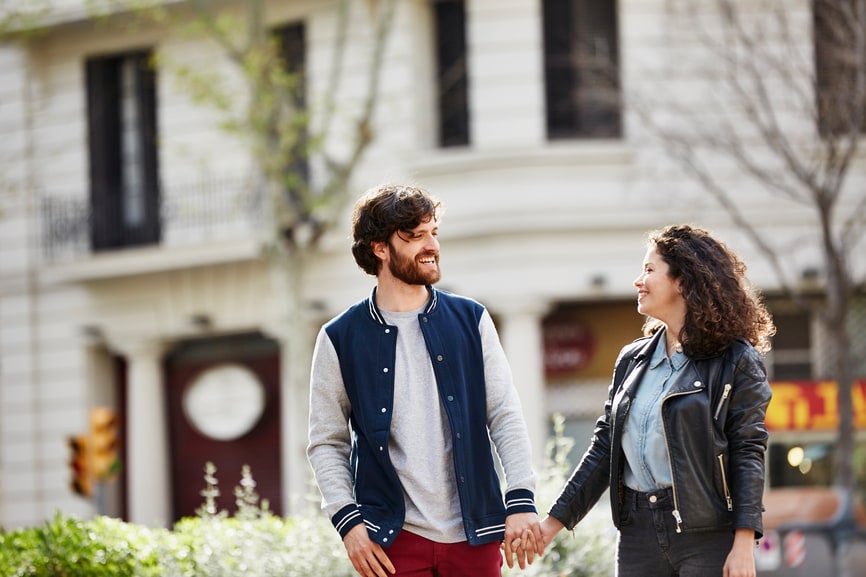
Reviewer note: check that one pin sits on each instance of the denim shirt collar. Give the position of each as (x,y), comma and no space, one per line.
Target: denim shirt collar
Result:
(660,354)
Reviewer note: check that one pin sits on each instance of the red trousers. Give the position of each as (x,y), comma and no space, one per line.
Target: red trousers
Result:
(415,556)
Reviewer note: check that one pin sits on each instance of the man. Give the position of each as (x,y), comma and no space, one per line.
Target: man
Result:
(408,388)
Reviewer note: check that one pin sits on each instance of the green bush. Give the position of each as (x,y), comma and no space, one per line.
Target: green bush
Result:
(255,543)
(69,547)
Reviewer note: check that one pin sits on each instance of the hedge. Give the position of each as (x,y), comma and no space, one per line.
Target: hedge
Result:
(255,543)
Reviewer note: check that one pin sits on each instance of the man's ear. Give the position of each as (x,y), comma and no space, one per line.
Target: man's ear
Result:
(379,248)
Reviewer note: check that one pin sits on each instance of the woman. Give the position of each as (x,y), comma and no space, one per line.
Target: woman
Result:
(682,439)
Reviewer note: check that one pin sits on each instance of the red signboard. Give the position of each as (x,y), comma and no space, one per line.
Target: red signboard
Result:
(812,406)
(568,347)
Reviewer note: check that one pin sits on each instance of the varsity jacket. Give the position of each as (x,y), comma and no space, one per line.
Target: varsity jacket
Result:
(365,345)
(713,418)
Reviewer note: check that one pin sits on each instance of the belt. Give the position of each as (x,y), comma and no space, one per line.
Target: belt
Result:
(658,499)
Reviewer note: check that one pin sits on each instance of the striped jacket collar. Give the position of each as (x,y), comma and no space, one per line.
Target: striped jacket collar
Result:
(376,314)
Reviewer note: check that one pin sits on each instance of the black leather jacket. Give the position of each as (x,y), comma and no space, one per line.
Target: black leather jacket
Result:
(713,419)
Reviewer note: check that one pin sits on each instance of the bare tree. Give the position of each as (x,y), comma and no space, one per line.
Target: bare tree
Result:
(303,179)
(278,126)
(783,106)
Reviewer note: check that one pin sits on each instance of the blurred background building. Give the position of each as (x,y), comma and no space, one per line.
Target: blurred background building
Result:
(135,227)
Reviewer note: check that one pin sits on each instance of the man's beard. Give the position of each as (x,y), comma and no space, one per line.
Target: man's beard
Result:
(408,271)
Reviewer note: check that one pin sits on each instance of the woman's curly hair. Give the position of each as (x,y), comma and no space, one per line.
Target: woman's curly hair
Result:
(383,210)
(721,304)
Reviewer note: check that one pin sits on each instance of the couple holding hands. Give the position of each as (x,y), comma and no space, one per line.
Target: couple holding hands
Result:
(410,386)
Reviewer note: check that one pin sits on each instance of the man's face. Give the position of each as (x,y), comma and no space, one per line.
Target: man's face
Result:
(414,255)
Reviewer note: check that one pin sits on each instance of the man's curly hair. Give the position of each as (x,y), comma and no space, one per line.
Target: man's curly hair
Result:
(721,305)
(386,209)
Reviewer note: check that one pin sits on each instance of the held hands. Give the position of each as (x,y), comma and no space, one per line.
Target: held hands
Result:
(523,539)
(367,556)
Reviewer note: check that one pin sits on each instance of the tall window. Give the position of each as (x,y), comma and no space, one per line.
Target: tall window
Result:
(124,183)
(581,65)
(291,41)
(839,80)
(791,356)
(451,79)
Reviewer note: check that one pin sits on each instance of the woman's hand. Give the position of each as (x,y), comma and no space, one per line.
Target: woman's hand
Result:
(550,527)
(741,559)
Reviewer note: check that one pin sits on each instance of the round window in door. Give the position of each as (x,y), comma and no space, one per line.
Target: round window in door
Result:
(224,402)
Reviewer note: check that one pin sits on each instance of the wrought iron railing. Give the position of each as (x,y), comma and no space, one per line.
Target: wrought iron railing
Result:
(191,214)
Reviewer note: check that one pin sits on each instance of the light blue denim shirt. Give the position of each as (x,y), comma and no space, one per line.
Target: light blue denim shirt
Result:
(643,441)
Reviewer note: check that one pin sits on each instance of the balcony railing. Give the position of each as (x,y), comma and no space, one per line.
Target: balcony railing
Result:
(188,215)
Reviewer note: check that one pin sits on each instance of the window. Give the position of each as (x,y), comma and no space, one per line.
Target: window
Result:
(581,69)
(450,22)
(791,355)
(841,101)
(811,463)
(122,128)
(291,42)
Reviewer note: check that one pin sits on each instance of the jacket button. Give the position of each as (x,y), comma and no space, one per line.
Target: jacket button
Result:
(385,370)
(384,410)
(450,397)
(439,357)
(697,383)
(387,331)
(424,319)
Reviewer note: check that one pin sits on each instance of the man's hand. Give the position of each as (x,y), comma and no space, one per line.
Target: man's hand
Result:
(522,538)
(367,556)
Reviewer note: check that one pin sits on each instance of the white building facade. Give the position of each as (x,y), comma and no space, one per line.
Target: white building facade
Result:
(131,272)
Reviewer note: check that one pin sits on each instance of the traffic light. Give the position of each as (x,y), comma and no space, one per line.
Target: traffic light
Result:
(78,464)
(103,448)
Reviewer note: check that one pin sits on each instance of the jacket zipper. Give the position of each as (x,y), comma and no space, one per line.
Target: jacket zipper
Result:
(676,511)
(725,482)
(725,394)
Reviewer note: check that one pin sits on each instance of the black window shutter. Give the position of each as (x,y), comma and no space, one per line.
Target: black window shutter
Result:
(103,113)
(451,80)
(148,133)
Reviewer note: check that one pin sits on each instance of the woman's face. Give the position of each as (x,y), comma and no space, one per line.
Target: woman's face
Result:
(659,295)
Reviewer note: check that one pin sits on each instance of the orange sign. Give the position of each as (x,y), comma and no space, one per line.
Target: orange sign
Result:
(812,406)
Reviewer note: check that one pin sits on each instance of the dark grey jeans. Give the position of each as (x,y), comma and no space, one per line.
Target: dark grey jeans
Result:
(649,545)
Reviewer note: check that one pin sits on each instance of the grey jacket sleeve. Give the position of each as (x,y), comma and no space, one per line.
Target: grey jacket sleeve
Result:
(505,419)
(329,435)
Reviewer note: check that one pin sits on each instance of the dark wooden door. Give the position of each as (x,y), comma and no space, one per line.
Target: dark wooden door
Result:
(191,448)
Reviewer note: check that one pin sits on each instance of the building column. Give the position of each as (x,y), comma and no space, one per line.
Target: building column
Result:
(522,339)
(147,456)
(295,474)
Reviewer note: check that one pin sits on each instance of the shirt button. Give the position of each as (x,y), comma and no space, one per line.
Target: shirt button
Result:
(653,499)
